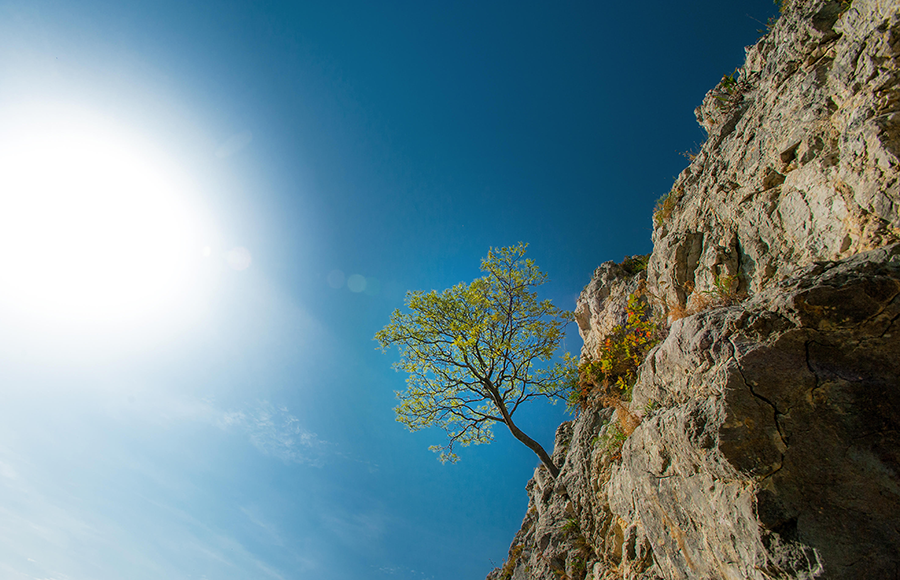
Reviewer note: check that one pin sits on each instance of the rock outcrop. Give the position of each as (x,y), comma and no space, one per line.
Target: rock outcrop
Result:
(769,436)
(601,306)
(801,163)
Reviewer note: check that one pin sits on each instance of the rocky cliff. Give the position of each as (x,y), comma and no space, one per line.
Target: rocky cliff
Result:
(761,438)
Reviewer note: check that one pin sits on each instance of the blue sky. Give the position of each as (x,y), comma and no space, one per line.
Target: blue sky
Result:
(330,157)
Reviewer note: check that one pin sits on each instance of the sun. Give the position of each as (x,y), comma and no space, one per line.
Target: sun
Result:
(93,227)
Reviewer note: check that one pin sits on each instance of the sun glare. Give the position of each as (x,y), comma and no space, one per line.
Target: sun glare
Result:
(92,228)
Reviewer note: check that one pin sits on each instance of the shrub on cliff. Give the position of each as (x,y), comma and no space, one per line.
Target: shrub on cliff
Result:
(611,375)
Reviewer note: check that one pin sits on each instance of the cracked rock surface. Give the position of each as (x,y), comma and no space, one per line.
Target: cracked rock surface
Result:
(769,436)
(769,446)
(801,162)
(780,423)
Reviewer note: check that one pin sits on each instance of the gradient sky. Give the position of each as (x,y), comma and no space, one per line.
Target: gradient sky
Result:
(332,156)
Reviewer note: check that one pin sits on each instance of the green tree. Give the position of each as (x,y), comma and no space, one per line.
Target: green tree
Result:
(475,352)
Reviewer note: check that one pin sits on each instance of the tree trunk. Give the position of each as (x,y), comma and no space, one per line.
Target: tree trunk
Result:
(534,446)
(528,441)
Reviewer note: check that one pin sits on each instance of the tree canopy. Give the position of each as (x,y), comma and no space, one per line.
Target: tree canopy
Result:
(475,352)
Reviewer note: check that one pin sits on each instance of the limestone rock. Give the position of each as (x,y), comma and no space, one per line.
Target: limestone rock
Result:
(769,436)
(601,306)
(769,445)
(775,451)
(801,163)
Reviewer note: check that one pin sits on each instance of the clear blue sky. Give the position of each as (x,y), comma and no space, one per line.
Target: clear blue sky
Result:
(347,151)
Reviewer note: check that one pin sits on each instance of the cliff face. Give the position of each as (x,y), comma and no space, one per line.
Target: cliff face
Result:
(769,435)
(801,160)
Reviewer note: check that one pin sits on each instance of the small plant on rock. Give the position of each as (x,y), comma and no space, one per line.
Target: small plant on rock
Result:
(728,92)
(509,566)
(725,290)
(571,526)
(579,566)
(611,376)
(730,82)
(692,154)
(666,205)
(613,440)
(635,264)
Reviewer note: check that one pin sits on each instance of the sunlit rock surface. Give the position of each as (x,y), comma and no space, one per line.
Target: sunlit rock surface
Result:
(769,441)
(801,163)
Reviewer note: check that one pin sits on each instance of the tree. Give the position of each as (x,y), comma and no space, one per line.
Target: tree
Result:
(474,353)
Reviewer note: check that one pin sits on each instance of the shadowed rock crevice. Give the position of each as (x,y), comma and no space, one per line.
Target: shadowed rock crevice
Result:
(780,443)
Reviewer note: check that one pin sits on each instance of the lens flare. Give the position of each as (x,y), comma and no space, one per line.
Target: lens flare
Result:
(356,283)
